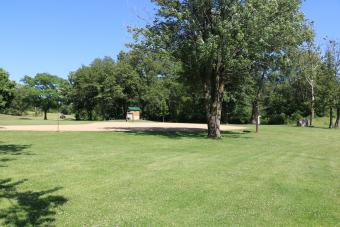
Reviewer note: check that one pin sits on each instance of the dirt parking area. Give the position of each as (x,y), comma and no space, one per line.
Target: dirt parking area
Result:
(118,126)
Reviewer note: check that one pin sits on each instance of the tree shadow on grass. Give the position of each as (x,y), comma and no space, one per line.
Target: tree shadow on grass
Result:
(28,208)
(193,134)
(320,127)
(13,149)
(3,160)
(25,208)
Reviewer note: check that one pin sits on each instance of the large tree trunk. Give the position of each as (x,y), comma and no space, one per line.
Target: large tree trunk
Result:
(45,114)
(331,117)
(253,113)
(337,122)
(214,90)
(214,120)
(312,111)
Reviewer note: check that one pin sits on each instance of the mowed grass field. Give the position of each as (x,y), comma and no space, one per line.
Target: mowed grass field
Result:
(285,176)
(30,119)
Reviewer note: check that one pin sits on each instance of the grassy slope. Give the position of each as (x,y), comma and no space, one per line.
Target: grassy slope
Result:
(284,176)
(322,122)
(31,120)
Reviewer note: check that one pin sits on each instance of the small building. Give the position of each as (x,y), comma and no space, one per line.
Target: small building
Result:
(133,113)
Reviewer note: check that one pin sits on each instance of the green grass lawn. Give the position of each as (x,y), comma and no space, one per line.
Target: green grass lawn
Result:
(30,119)
(285,176)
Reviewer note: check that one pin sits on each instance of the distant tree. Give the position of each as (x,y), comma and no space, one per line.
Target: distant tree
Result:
(44,90)
(310,63)
(271,29)
(155,101)
(333,52)
(122,89)
(238,99)
(305,63)
(21,101)
(65,97)
(104,89)
(327,85)
(160,89)
(164,109)
(6,90)
(84,92)
(287,94)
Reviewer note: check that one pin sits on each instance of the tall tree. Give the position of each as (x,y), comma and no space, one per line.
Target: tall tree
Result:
(105,89)
(6,89)
(122,89)
(44,90)
(327,85)
(216,39)
(21,101)
(84,91)
(334,53)
(305,63)
(272,27)
(310,62)
(161,89)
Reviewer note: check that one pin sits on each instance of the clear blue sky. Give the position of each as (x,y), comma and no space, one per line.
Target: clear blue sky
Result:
(58,36)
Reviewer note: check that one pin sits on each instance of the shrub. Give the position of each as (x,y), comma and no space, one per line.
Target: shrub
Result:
(295,117)
(277,119)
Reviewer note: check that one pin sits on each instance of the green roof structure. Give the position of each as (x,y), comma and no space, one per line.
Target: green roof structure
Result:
(134,108)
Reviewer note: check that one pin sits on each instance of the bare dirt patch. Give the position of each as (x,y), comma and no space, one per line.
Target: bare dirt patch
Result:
(117,126)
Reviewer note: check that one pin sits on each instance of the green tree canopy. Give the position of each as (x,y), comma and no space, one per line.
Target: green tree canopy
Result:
(105,88)
(217,39)
(44,90)
(6,89)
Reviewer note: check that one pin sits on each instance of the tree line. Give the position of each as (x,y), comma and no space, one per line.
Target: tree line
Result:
(200,61)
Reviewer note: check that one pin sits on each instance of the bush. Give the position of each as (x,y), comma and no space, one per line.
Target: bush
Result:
(277,119)
(295,117)
(66,110)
